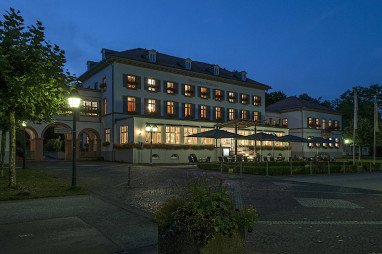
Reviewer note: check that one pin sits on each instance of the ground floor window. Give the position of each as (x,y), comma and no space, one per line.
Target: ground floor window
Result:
(123,134)
(172,135)
(206,141)
(107,135)
(190,140)
(157,136)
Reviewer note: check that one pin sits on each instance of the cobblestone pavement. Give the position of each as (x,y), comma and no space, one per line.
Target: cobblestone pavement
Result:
(294,216)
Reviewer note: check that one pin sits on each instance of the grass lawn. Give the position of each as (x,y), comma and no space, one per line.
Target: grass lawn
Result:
(37,184)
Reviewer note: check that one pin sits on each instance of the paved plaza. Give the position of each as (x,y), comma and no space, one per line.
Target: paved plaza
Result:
(300,214)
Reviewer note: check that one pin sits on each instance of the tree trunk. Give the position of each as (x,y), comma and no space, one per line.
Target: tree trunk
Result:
(359,153)
(2,154)
(12,149)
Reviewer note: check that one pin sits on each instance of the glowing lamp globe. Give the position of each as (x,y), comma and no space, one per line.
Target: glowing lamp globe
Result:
(74,99)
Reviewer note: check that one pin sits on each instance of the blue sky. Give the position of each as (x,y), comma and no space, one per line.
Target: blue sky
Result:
(320,47)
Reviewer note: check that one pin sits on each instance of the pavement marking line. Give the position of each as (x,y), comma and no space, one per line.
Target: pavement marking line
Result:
(326,203)
(320,222)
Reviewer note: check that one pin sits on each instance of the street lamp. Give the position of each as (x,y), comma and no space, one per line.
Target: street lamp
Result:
(74,103)
(24,124)
(151,129)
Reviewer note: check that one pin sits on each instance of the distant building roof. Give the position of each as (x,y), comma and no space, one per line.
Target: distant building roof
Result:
(293,103)
(139,54)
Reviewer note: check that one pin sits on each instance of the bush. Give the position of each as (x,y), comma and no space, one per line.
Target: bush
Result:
(54,145)
(201,208)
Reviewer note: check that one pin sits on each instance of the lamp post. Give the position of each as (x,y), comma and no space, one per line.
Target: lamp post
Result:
(151,129)
(74,103)
(24,124)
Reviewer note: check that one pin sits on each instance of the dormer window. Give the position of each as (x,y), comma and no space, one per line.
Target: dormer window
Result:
(152,56)
(187,63)
(243,75)
(216,70)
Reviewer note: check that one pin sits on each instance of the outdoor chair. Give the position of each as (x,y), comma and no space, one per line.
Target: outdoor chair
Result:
(208,159)
(245,159)
(265,158)
(272,158)
(225,159)
(220,159)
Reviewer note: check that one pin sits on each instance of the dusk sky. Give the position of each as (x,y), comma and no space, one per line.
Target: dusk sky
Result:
(322,47)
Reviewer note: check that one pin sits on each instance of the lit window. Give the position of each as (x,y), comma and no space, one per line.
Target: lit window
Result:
(318,123)
(336,125)
(218,113)
(104,106)
(330,123)
(157,136)
(187,110)
(170,108)
(256,115)
(206,141)
(244,99)
(284,122)
(187,90)
(103,85)
(190,140)
(107,135)
(256,100)
(310,122)
(131,104)
(337,144)
(231,114)
(131,82)
(323,124)
(231,97)
(219,95)
(90,108)
(170,88)
(203,93)
(331,144)
(151,85)
(172,135)
(151,105)
(123,134)
(203,111)
(244,114)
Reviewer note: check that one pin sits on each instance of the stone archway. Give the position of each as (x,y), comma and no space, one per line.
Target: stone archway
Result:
(68,141)
(89,144)
(34,149)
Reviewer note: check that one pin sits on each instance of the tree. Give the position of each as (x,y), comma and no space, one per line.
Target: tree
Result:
(274,97)
(33,82)
(306,97)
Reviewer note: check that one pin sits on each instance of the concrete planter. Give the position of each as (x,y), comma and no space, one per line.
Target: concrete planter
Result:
(183,243)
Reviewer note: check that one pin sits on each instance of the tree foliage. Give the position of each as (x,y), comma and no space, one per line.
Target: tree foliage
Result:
(33,81)
(274,97)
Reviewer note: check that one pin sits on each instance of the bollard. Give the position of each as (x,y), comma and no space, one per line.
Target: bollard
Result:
(328,167)
(128,175)
(343,166)
(266,168)
(370,167)
(241,169)
(310,168)
(290,162)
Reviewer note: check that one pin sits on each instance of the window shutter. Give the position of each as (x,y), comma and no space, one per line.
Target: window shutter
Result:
(227,95)
(223,114)
(183,89)
(248,114)
(176,86)
(193,110)
(124,107)
(223,94)
(252,100)
(199,91)
(227,114)
(138,105)
(214,113)
(124,80)
(157,107)
(199,111)
(146,84)
(165,86)
(145,105)
(182,110)
(307,122)
(259,101)
(176,109)
(165,108)
(193,91)
(208,113)
(138,80)
(209,93)
(158,85)
(236,114)
(213,94)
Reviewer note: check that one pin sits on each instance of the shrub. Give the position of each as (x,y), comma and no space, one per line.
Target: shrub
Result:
(201,208)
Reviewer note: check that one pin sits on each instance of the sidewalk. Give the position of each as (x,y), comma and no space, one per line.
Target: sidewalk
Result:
(78,224)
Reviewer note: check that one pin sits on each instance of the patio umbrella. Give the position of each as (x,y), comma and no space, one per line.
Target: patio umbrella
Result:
(291,138)
(261,136)
(216,134)
(320,140)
